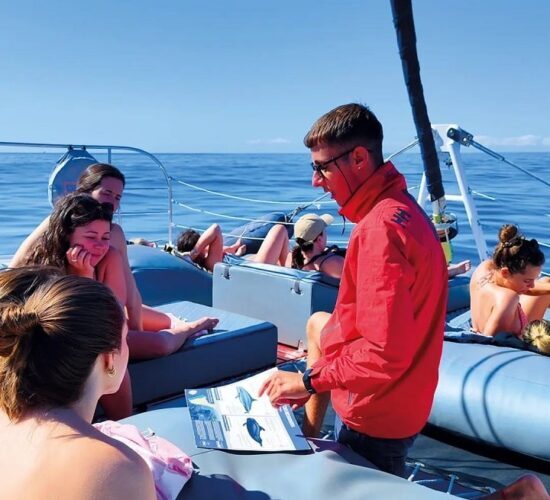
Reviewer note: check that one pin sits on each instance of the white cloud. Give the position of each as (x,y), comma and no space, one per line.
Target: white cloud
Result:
(527,140)
(275,140)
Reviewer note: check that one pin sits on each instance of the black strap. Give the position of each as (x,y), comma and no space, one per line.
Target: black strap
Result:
(332,250)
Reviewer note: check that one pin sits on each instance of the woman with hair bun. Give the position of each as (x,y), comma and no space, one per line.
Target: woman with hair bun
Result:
(62,346)
(505,293)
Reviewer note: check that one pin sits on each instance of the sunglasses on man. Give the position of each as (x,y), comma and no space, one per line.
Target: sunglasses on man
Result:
(321,168)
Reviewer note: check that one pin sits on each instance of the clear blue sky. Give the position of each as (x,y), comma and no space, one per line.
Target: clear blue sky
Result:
(251,76)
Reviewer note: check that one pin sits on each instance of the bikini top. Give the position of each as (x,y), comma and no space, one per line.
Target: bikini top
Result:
(523,320)
(327,253)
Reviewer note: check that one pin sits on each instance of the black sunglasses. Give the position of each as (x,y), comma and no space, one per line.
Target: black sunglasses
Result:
(320,168)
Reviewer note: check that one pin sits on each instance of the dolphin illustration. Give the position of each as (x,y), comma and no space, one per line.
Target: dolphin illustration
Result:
(245,398)
(254,429)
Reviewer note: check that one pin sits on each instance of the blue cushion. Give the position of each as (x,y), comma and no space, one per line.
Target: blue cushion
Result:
(163,278)
(459,293)
(238,345)
(495,394)
(331,471)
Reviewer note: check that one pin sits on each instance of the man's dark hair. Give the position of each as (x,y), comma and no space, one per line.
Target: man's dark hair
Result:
(348,125)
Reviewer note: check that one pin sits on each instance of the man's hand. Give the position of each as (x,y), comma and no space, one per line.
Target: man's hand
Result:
(285,388)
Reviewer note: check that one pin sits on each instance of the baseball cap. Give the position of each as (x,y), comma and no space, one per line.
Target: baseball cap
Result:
(309,226)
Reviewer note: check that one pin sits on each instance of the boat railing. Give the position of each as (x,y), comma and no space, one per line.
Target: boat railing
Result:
(449,138)
(109,150)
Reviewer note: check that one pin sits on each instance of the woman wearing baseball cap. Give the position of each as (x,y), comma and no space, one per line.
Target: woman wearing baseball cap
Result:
(311,252)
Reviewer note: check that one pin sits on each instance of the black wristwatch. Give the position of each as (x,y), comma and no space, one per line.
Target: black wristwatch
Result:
(306,379)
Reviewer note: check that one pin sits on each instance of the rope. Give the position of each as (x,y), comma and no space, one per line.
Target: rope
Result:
(224,234)
(482,195)
(406,148)
(233,217)
(242,198)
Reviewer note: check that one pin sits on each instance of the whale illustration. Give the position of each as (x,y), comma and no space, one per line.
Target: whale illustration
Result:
(245,398)
(254,429)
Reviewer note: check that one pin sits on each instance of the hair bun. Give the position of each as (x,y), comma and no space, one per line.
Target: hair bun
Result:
(16,321)
(507,233)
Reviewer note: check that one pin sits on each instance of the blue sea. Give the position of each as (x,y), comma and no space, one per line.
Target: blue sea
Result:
(233,188)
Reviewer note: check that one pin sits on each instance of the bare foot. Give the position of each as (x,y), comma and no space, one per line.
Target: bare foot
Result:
(527,487)
(460,268)
(241,250)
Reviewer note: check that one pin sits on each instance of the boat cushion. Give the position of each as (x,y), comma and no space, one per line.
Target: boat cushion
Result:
(241,286)
(162,278)
(283,296)
(238,345)
(496,395)
(330,471)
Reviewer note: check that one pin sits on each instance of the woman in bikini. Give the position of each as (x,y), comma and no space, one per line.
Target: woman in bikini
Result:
(311,252)
(77,241)
(505,293)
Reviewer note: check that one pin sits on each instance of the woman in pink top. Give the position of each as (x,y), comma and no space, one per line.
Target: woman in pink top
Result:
(505,293)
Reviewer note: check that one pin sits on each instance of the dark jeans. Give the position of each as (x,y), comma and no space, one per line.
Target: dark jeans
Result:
(387,454)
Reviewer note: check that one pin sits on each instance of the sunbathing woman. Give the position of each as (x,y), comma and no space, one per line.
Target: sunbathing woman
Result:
(77,241)
(62,345)
(311,252)
(207,249)
(504,291)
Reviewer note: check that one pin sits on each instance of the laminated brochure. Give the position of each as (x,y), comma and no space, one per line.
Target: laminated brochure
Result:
(233,417)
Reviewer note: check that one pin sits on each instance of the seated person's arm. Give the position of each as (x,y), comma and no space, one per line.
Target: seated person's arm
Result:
(503,315)
(542,287)
(133,297)
(110,272)
(333,266)
(28,244)
(210,245)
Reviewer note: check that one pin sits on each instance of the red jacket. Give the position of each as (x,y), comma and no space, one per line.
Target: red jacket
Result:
(382,345)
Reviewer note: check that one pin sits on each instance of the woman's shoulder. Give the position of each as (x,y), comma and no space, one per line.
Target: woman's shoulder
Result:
(118,238)
(72,461)
(114,469)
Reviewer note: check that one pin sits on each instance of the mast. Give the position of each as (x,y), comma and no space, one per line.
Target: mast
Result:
(403,21)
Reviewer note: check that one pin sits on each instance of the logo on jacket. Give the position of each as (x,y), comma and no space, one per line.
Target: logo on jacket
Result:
(401,217)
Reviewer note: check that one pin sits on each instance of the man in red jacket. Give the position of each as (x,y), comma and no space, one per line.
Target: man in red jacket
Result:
(380,348)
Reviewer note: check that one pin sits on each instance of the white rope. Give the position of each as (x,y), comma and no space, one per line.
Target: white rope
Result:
(223,234)
(241,198)
(482,195)
(234,217)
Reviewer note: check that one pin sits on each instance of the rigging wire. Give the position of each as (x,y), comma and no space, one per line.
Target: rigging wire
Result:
(499,157)
(242,198)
